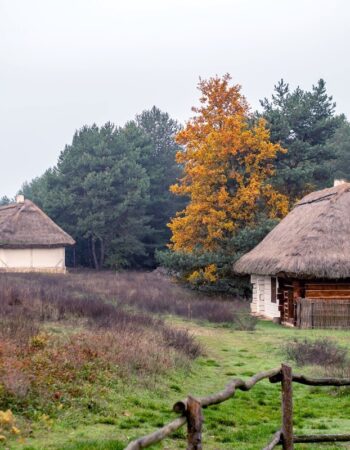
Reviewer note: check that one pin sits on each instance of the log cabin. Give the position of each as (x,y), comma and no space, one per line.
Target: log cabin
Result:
(29,240)
(305,261)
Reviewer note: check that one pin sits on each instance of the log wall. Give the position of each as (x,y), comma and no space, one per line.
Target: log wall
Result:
(327,289)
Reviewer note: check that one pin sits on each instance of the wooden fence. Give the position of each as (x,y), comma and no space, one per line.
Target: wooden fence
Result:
(323,313)
(191,414)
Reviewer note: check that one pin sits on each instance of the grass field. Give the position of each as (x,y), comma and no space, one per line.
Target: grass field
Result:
(110,411)
(246,422)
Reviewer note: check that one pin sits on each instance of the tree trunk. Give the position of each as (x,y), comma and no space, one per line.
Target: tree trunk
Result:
(94,255)
(102,253)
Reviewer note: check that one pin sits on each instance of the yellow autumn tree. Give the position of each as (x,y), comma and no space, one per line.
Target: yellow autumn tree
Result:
(227,164)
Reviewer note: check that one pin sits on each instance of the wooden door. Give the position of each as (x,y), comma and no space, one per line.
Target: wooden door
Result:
(286,299)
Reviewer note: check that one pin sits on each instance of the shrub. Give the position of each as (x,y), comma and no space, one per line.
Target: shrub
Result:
(212,271)
(39,341)
(244,321)
(7,425)
(182,341)
(320,352)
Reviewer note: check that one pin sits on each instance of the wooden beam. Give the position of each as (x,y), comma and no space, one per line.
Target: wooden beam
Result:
(287,408)
(327,293)
(229,391)
(194,424)
(322,438)
(309,381)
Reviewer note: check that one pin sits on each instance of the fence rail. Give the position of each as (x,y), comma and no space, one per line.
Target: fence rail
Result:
(192,415)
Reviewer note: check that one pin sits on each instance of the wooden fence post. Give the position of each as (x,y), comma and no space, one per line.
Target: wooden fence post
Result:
(298,315)
(194,424)
(287,408)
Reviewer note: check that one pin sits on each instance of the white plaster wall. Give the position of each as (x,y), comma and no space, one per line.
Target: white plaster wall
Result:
(33,258)
(261,301)
(254,303)
(49,257)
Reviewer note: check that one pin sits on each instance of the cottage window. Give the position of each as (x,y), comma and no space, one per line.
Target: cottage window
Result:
(273,290)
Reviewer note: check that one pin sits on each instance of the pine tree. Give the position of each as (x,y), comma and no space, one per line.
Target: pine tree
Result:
(163,171)
(302,122)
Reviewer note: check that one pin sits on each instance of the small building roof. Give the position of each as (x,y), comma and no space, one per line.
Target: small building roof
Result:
(312,241)
(24,225)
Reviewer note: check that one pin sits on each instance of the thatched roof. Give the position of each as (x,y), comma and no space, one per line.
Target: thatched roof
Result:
(24,225)
(312,241)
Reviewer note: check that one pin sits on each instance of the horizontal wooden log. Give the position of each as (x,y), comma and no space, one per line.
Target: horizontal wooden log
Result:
(276,440)
(322,438)
(302,379)
(157,436)
(328,294)
(229,391)
(328,284)
(308,439)
(309,381)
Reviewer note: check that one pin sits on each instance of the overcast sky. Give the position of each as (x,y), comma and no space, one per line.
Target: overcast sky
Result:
(66,63)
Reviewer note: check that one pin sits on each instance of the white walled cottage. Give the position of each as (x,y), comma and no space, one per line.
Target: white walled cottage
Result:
(29,240)
(303,264)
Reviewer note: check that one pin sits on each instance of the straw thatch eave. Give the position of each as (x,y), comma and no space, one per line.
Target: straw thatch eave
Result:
(312,241)
(24,225)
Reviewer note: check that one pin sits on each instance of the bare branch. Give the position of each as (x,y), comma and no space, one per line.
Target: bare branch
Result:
(321,381)
(157,436)
(302,379)
(229,391)
(276,440)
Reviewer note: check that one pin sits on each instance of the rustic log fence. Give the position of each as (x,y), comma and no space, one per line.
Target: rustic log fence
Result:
(192,415)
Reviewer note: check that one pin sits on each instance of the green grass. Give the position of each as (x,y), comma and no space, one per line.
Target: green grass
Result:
(89,445)
(111,415)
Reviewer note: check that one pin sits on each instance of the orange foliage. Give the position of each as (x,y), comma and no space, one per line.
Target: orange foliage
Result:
(227,163)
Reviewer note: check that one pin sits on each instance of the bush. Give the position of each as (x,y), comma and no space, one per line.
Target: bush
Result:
(244,321)
(320,352)
(192,268)
(182,341)
(7,425)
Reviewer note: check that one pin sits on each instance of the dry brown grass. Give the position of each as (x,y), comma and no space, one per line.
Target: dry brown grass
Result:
(156,293)
(112,340)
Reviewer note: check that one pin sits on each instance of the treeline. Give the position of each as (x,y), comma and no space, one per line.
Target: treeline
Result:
(110,191)
(111,186)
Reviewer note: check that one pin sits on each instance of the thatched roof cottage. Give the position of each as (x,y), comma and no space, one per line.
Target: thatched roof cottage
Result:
(306,256)
(29,240)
